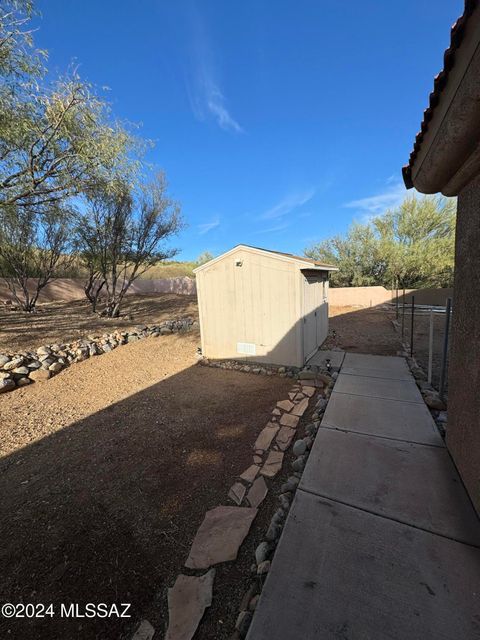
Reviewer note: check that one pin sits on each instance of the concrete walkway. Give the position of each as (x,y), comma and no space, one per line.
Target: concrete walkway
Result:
(381,541)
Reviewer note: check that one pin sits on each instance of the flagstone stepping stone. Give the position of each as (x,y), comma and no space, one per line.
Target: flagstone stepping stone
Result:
(219,536)
(266,436)
(257,459)
(284,438)
(300,408)
(308,391)
(286,405)
(257,492)
(288,420)
(291,395)
(250,474)
(299,396)
(237,492)
(311,383)
(187,601)
(276,412)
(273,464)
(145,631)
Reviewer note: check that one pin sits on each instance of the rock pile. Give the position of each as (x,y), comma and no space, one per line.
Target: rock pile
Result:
(262,370)
(21,369)
(431,397)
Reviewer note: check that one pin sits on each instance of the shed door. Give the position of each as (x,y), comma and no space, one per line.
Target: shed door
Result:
(311,302)
(322,313)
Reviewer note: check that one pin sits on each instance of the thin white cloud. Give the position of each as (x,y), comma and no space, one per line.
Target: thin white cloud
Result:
(215,103)
(204,89)
(274,229)
(205,227)
(391,197)
(288,204)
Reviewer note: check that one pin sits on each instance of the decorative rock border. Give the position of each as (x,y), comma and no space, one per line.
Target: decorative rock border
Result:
(437,406)
(258,369)
(23,368)
(224,528)
(431,397)
(301,450)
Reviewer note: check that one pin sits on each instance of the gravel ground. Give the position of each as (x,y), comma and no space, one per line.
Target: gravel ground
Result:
(372,331)
(106,472)
(66,321)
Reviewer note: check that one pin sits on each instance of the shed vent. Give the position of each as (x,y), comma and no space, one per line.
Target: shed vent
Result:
(248,348)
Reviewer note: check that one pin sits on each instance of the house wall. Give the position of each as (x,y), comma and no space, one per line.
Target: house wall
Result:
(258,303)
(463,433)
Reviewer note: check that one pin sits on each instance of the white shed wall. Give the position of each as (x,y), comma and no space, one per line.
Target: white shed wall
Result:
(259,303)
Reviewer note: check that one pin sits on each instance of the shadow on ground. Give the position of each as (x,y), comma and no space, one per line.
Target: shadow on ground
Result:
(105,509)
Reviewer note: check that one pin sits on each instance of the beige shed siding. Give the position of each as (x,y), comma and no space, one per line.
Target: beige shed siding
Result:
(262,306)
(314,314)
(258,303)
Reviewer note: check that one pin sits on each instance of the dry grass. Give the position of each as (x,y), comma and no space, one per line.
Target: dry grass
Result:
(170,269)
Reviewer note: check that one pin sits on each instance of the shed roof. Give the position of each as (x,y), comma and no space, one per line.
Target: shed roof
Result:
(308,263)
(457,34)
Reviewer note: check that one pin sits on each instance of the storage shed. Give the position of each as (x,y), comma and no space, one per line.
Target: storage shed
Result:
(262,305)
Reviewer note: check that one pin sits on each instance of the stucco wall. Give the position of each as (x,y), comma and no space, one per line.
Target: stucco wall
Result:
(70,289)
(463,433)
(372,296)
(358,296)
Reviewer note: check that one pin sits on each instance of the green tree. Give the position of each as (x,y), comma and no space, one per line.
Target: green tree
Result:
(56,140)
(356,254)
(58,144)
(412,245)
(417,241)
(204,257)
(31,247)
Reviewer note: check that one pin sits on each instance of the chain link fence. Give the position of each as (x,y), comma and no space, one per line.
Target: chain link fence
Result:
(426,332)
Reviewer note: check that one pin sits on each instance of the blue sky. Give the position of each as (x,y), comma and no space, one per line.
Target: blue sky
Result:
(277,122)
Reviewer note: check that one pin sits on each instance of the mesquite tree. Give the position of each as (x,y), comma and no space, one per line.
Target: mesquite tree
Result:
(121,234)
(57,139)
(32,245)
(58,142)
(413,244)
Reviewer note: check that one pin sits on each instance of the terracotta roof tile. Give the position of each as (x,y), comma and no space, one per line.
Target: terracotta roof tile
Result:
(456,37)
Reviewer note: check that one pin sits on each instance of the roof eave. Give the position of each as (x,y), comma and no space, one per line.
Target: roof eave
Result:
(441,160)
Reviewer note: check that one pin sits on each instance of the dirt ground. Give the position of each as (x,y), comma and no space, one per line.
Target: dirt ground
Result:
(362,331)
(371,331)
(65,321)
(106,473)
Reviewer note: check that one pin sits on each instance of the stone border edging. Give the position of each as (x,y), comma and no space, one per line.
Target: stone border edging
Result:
(273,441)
(22,368)
(256,368)
(266,549)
